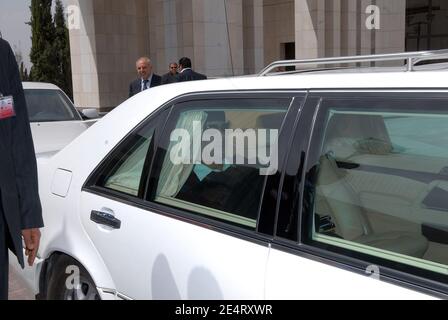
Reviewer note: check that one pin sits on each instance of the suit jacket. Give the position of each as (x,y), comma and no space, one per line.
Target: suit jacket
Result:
(18,169)
(136,85)
(236,190)
(190,75)
(169,78)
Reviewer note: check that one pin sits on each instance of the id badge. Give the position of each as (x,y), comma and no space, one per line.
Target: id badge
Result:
(7,107)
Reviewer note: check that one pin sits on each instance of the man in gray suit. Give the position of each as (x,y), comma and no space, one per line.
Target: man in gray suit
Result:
(20,209)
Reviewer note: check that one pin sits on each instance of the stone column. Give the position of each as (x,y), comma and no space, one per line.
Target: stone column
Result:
(170,31)
(253,36)
(218,37)
(309,28)
(83,54)
(278,26)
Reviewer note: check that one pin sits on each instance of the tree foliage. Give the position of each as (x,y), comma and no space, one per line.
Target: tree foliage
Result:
(50,51)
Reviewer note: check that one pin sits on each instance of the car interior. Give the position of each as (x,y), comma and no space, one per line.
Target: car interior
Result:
(371,194)
(234,189)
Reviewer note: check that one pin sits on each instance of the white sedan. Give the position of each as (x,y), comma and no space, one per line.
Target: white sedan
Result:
(55,122)
(229,189)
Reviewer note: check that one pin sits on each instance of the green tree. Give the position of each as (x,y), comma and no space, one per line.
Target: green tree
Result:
(62,51)
(43,33)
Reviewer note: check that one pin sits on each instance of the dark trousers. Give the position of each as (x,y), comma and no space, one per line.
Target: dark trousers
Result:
(4,264)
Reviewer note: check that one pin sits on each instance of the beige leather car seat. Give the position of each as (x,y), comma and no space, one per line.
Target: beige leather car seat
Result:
(348,135)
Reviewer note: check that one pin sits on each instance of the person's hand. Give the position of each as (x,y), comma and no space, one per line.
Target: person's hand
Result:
(32,240)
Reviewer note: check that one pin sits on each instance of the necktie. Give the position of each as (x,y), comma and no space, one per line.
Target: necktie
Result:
(145,85)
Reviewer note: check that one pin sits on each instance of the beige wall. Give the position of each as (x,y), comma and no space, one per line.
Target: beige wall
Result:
(171,32)
(253,36)
(201,30)
(222,38)
(104,50)
(83,58)
(278,25)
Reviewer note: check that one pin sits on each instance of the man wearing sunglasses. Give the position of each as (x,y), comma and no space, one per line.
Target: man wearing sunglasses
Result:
(171,76)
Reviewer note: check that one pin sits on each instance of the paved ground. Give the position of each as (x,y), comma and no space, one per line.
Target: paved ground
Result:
(18,288)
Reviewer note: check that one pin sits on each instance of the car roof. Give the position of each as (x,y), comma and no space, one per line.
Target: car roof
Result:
(147,101)
(335,79)
(40,86)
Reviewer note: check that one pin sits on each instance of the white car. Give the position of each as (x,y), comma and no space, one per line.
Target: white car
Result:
(55,122)
(333,186)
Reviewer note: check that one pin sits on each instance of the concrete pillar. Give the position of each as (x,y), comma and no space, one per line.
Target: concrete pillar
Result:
(170,31)
(278,25)
(309,28)
(83,55)
(253,36)
(218,37)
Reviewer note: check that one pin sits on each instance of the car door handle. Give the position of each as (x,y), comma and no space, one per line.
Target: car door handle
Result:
(105,219)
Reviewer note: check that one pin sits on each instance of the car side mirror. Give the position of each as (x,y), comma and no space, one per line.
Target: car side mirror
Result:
(90,114)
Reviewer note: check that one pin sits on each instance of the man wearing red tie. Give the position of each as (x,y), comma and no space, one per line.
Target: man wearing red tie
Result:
(147,79)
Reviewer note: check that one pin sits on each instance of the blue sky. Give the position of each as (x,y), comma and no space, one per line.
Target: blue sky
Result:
(13,16)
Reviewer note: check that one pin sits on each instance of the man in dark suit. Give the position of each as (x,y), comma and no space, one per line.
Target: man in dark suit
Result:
(171,76)
(186,73)
(20,209)
(146,79)
(230,188)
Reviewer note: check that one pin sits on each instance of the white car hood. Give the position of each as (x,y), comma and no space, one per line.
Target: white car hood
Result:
(51,137)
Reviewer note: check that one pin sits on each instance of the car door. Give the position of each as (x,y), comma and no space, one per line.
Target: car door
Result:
(363,196)
(169,229)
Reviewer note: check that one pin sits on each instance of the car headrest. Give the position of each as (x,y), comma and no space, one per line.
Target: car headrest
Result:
(368,132)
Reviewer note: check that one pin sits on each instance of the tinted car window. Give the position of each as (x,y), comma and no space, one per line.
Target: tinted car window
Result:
(126,169)
(380,186)
(49,105)
(217,155)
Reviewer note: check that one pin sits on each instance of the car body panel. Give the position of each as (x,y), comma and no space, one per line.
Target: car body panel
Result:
(171,250)
(297,277)
(170,259)
(51,137)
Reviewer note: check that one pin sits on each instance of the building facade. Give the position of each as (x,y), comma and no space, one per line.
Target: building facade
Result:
(235,37)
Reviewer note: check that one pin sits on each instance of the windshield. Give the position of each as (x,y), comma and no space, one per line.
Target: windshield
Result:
(49,105)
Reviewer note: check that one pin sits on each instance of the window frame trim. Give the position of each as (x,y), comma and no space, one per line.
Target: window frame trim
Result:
(292,95)
(177,213)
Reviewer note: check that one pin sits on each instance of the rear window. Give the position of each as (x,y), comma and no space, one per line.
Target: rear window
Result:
(381,183)
(218,156)
(49,105)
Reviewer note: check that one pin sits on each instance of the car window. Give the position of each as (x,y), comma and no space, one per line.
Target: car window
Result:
(381,182)
(49,105)
(217,155)
(125,169)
